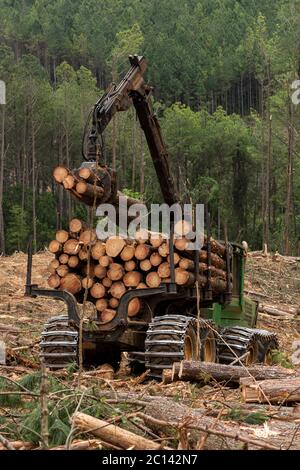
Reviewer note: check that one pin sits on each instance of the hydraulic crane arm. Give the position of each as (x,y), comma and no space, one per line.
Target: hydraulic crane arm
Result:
(133,90)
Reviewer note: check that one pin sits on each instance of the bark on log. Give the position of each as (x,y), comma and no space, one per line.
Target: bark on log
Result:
(196,371)
(273,391)
(114,434)
(160,412)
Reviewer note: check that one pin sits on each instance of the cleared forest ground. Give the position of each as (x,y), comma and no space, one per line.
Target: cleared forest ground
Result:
(273,280)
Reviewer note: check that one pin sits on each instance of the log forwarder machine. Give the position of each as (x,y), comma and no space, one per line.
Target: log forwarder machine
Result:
(168,328)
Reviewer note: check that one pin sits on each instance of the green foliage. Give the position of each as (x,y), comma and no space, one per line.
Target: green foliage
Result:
(281,358)
(206,60)
(253,417)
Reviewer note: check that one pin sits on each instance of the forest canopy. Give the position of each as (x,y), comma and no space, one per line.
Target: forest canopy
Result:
(222,72)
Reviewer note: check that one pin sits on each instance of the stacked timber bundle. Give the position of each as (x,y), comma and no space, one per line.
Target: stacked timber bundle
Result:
(91,184)
(107,269)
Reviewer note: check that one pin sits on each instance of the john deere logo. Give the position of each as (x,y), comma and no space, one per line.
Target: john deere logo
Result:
(2,92)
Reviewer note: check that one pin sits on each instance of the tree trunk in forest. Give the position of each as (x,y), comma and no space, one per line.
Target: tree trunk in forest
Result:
(33,173)
(2,155)
(289,185)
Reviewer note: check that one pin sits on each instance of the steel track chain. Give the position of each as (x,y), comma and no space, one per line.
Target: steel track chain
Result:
(59,343)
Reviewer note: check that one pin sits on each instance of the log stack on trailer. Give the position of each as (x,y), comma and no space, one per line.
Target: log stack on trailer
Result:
(108,269)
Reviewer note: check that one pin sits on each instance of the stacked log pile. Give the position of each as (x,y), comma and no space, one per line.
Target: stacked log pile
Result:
(110,268)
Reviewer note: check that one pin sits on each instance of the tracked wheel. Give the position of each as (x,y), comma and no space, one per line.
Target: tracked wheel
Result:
(59,343)
(251,345)
(172,338)
(267,343)
(238,342)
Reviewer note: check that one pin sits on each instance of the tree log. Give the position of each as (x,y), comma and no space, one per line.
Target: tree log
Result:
(153,280)
(105,261)
(184,278)
(62,270)
(145,265)
(98,250)
(62,236)
(100,271)
(71,283)
(106,282)
(273,391)
(55,247)
(196,371)
(113,302)
(88,237)
(72,247)
(127,253)
(87,282)
(91,191)
(60,173)
(63,258)
(101,305)
(73,262)
(114,246)
(132,278)
(117,289)
(130,265)
(163,250)
(142,251)
(97,291)
(115,272)
(76,226)
(108,315)
(54,281)
(114,434)
(134,306)
(156,259)
(164,270)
